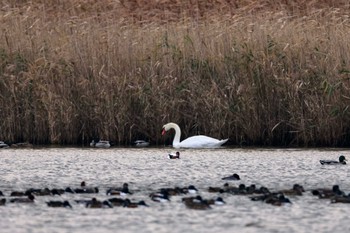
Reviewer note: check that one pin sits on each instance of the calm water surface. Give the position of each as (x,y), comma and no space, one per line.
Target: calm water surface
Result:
(149,169)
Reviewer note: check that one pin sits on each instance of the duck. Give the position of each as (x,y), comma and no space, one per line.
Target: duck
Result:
(1,194)
(2,201)
(115,201)
(191,189)
(174,156)
(141,143)
(342,160)
(29,199)
(119,191)
(196,203)
(233,177)
(161,196)
(57,204)
(3,145)
(129,204)
(328,193)
(199,141)
(94,203)
(216,201)
(39,192)
(341,199)
(100,144)
(297,190)
(85,189)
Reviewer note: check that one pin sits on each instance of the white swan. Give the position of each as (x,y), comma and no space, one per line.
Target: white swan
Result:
(199,141)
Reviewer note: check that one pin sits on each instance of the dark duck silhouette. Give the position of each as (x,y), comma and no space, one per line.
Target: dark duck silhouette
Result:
(342,160)
(57,204)
(233,177)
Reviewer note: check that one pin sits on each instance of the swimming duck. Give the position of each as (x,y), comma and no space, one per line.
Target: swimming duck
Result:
(141,143)
(191,189)
(328,193)
(119,191)
(56,204)
(17,194)
(162,196)
(342,160)
(3,145)
(233,177)
(199,141)
(2,201)
(216,201)
(297,190)
(38,192)
(174,156)
(117,201)
(341,199)
(129,204)
(100,144)
(94,203)
(85,189)
(196,203)
(29,199)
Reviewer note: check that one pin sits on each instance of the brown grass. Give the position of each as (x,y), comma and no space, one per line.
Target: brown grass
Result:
(253,71)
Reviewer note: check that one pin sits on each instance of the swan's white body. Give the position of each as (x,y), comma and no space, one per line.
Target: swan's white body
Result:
(199,141)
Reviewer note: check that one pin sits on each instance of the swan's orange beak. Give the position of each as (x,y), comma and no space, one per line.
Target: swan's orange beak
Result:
(163,131)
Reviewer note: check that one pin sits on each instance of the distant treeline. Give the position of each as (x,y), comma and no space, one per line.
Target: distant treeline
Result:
(277,78)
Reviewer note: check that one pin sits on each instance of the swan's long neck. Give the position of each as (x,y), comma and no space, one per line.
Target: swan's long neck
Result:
(177,136)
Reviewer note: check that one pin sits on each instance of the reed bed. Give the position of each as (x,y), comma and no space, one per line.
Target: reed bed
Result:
(259,73)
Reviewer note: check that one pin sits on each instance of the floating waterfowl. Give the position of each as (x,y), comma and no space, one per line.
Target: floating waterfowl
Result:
(94,203)
(3,145)
(162,196)
(328,193)
(141,143)
(174,156)
(119,191)
(117,201)
(342,160)
(129,204)
(57,204)
(29,199)
(216,201)
(297,190)
(199,141)
(196,203)
(233,177)
(85,189)
(100,144)
(2,202)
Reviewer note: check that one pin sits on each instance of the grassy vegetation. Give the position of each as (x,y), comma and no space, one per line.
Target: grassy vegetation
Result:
(257,72)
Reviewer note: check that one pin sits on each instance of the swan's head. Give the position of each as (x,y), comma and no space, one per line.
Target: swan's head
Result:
(167,127)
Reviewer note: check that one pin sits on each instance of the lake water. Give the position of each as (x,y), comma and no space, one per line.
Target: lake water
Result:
(148,169)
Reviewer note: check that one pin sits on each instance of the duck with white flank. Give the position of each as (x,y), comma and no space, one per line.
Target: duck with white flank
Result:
(342,160)
(174,156)
(199,141)
(100,144)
